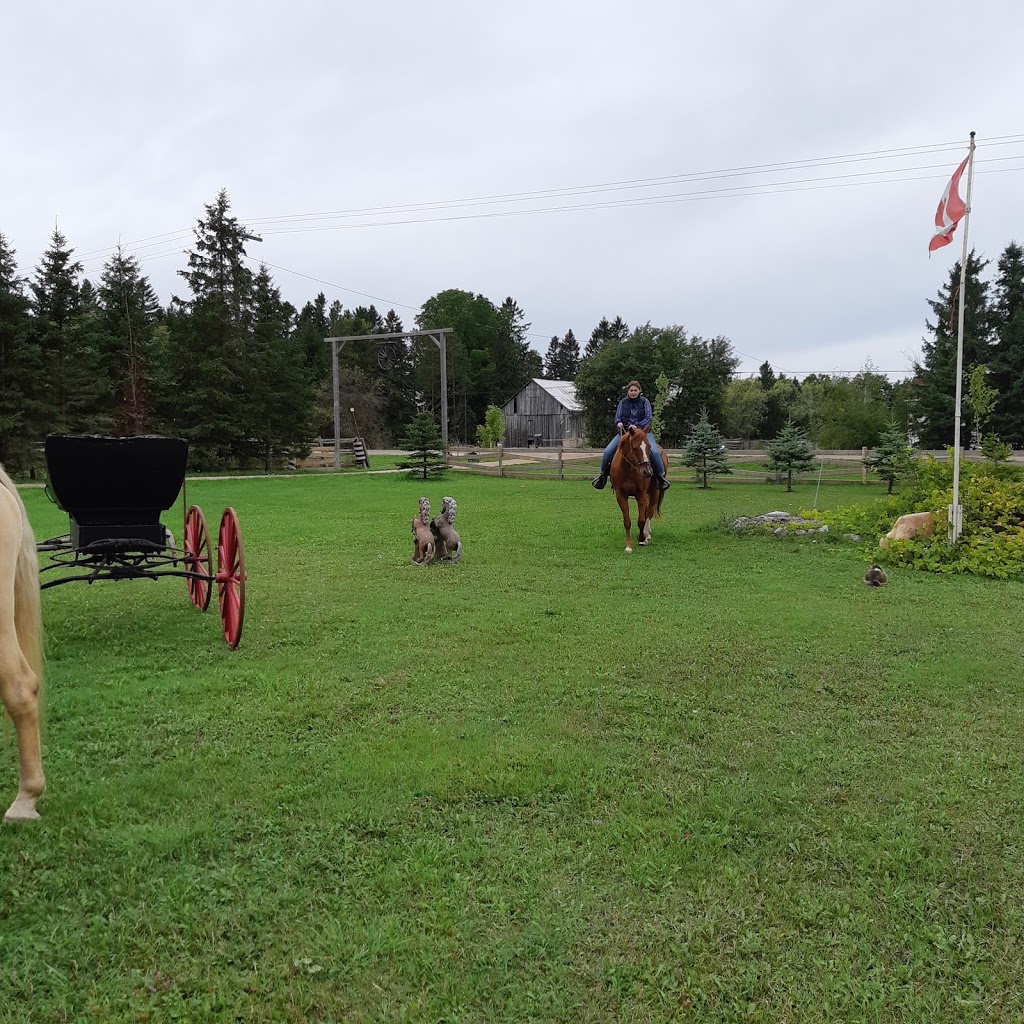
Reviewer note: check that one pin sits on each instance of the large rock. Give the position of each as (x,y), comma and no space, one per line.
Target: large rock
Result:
(916,524)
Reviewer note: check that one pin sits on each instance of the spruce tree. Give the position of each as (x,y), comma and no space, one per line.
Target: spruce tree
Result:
(705,450)
(311,330)
(21,410)
(790,452)
(130,313)
(514,361)
(280,397)
(553,359)
(562,360)
(615,331)
(55,301)
(1006,361)
(570,357)
(396,379)
(935,399)
(766,375)
(893,458)
(210,342)
(598,337)
(423,443)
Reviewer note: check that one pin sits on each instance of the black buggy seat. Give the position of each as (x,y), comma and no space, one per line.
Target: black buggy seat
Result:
(114,488)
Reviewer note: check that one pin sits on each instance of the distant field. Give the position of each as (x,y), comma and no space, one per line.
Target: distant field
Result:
(717,780)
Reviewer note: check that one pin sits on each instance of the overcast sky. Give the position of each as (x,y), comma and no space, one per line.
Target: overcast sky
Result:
(121,120)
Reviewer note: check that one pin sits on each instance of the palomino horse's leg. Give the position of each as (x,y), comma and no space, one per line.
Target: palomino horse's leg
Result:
(19,683)
(627,525)
(19,689)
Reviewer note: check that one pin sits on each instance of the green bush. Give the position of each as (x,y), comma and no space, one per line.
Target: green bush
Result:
(992,543)
(491,432)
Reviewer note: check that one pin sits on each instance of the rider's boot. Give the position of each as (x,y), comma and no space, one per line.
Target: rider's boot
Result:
(600,480)
(663,480)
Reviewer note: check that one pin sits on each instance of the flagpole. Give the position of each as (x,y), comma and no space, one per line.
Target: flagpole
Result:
(956,512)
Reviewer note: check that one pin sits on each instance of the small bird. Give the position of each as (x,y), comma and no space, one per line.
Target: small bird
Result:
(875,576)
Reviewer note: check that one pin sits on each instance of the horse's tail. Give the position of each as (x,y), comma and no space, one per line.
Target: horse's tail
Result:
(28,619)
(654,507)
(458,553)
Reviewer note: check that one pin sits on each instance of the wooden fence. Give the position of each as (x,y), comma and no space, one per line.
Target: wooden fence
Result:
(747,466)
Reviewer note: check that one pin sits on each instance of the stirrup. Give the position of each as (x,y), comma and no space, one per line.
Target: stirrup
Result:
(599,481)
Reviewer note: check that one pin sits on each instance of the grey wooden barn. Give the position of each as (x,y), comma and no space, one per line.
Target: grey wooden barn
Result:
(544,412)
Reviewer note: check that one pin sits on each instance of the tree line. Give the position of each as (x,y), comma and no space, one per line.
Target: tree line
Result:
(245,376)
(685,375)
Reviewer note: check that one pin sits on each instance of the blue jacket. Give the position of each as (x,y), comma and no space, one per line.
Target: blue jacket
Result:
(634,412)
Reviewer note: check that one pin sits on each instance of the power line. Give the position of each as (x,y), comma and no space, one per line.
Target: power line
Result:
(641,182)
(754,188)
(671,199)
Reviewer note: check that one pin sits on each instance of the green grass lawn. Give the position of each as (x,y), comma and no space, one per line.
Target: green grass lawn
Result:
(719,779)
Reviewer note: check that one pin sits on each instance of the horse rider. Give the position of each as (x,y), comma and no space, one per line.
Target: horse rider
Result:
(633,411)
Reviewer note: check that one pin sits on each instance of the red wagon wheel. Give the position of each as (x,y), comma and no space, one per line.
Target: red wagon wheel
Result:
(198,557)
(231,577)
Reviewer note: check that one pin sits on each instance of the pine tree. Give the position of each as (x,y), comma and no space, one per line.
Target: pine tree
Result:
(618,330)
(562,360)
(423,443)
(598,336)
(894,458)
(21,411)
(1006,361)
(553,359)
(570,357)
(311,330)
(395,361)
(55,301)
(210,342)
(705,450)
(131,313)
(766,375)
(935,401)
(514,361)
(615,331)
(790,452)
(280,397)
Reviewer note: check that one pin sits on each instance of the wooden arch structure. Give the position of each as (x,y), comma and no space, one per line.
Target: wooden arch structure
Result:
(437,335)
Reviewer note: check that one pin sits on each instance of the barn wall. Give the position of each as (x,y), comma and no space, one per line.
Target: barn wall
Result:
(533,411)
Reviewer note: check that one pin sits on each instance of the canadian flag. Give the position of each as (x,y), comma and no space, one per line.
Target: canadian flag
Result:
(950,212)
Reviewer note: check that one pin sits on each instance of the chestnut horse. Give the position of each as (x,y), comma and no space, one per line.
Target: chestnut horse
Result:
(21,652)
(633,476)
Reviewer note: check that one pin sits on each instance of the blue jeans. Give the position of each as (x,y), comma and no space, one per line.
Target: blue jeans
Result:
(609,454)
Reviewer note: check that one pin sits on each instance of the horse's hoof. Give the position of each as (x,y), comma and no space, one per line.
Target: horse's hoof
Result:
(21,810)
(629,551)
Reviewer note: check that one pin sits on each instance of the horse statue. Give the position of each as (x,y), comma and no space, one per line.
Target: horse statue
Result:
(21,649)
(632,476)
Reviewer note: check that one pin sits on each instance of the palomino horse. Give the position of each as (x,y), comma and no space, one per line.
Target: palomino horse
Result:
(21,651)
(633,476)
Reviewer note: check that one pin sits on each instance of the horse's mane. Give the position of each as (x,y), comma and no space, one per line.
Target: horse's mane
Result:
(425,511)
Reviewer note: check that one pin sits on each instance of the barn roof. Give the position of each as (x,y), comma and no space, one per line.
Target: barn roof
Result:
(562,391)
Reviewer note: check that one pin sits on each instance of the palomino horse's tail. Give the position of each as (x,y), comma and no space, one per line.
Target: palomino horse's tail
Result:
(28,619)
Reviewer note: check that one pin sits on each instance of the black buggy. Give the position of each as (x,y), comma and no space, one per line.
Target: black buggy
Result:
(114,490)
